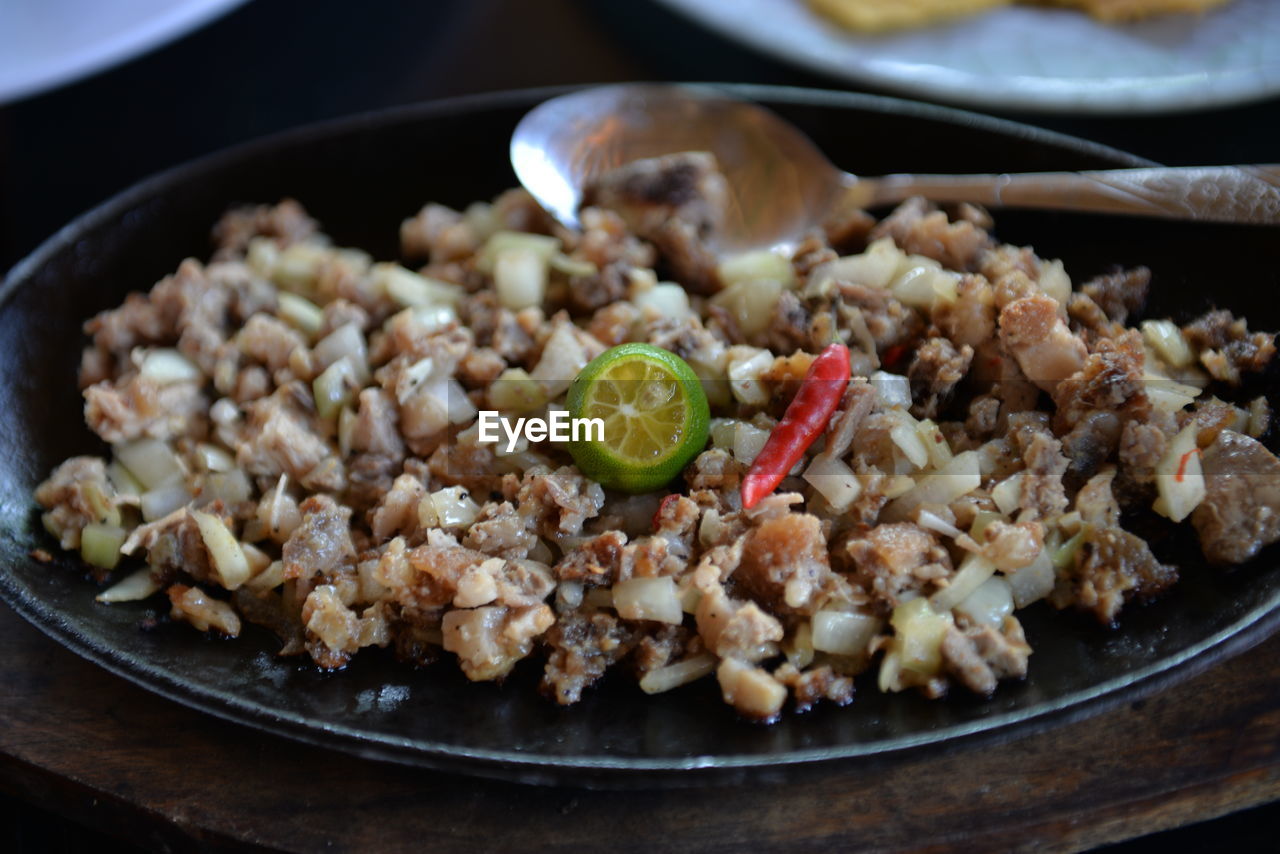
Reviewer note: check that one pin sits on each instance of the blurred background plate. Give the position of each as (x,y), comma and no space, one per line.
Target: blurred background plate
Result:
(1025,58)
(46,43)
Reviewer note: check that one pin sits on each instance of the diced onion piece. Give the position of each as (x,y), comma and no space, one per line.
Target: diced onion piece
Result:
(347,420)
(300,313)
(346,340)
(134,587)
(935,443)
(268,579)
(452,508)
(262,256)
(515,391)
(750,690)
(520,278)
(563,358)
(842,633)
(908,441)
(689,594)
(571,266)
(918,633)
(664,299)
(257,558)
(981,520)
(1179,477)
(890,676)
(461,409)
(433,318)
(894,389)
(798,646)
(973,571)
(500,241)
(989,604)
(151,461)
(103,508)
(750,304)
(410,289)
(213,458)
(335,388)
(748,439)
(1065,554)
(1167,340)
(295,267)
(875,268)
(158,503)
(1168,396)
(665,678)
(919,284)
(722,430)
(230,487)
(648,599)
(934,522)
(757,265)
(227,558)
(746,364)
(482,218)
(959,477)
(1007,494)
(123,480)
(834,480)
(165,365)
(1054,281)
(1034,581)
(100,544)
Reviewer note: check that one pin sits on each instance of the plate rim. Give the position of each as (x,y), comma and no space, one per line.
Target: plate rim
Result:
(1166,94)
(604,770)
(145,36)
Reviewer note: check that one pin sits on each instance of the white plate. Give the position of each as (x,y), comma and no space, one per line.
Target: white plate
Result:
(1029,58)
(46,43)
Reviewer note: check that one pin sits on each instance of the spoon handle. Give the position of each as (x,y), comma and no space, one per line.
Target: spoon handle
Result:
(1240,194)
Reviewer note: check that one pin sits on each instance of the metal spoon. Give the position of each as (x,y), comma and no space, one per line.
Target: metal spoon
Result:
(781,185)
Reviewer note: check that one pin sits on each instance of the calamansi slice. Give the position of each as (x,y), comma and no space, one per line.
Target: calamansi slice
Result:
(655,417)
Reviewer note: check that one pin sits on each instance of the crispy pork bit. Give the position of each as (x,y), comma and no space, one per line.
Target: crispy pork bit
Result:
(192,605)
(1111,567)
(1227,347)
(785,563)
(1032,330)
(896,561)
(489,641)
(1240,513)
(980,656)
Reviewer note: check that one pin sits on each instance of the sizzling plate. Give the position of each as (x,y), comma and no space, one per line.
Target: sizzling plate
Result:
(360,177)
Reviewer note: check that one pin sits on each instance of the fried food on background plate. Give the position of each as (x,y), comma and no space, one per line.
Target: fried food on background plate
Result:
(876,16)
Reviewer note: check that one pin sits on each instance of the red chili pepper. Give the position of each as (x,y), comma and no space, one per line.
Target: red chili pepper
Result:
(894,355)
(805,419)
(667,501)
(1182,465)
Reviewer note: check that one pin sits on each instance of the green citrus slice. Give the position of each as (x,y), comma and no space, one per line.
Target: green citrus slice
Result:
(654,412)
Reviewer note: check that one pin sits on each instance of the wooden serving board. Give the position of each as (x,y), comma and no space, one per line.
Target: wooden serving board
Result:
(93,747)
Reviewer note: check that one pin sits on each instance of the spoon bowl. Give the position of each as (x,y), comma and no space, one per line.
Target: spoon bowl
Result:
(781,185)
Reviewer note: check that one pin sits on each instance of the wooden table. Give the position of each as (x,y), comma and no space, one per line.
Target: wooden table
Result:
(100,751)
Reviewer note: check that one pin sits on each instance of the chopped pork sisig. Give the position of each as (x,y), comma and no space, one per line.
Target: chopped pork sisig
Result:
(294,442)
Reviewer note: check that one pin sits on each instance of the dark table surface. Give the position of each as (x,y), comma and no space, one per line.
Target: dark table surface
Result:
(275,64)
